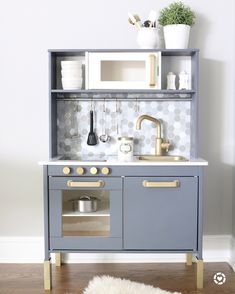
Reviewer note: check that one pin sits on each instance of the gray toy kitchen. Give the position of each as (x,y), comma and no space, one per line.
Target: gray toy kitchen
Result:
(124,174)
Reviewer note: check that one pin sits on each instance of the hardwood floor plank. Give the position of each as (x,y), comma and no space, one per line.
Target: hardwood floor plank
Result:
(73,278)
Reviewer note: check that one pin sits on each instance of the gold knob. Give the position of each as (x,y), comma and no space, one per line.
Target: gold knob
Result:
(80,170)
(105,170)
(93,170)
(66,170)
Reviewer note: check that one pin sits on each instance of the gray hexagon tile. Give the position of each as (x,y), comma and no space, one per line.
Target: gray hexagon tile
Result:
(73,126)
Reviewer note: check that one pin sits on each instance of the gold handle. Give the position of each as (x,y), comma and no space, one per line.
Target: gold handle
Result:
(152,82)
(173,184)
(97,184)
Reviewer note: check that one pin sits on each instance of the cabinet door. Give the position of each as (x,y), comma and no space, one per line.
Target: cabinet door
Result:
(71,229)
(160,213)
(124,70)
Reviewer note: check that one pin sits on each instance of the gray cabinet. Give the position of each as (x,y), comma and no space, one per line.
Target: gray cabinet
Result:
(160,213)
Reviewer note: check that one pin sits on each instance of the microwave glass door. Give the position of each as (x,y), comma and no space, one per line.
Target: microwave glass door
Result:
(124,70)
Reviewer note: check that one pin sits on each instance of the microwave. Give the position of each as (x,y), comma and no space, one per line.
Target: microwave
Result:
(123,70)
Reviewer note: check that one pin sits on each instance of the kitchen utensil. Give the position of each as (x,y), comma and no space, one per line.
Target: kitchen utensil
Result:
(136,106)
(152,18)
(117,116)
(104,137)
(147,24)
(92,138)
(134,20)
(85,204)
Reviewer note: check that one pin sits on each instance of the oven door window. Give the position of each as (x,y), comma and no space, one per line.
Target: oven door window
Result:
(86,213)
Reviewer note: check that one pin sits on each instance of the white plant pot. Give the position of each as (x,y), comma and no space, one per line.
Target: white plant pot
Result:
(148,38)
(176,36)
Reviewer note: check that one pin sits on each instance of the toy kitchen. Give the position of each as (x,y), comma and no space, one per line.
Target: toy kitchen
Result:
(124,173)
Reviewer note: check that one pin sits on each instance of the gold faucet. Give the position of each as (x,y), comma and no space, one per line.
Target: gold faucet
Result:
(160,144)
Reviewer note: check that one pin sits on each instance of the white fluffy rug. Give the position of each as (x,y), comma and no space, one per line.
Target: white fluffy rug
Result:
(110,285)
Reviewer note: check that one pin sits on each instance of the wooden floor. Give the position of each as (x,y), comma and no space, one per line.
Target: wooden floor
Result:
(73,278)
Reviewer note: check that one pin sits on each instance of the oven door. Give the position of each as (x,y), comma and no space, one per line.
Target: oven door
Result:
(123,70)
(71,229)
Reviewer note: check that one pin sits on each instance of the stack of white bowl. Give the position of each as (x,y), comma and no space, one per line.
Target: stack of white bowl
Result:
(71,73)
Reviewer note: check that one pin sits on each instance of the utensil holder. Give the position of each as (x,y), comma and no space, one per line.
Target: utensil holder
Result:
(148,38)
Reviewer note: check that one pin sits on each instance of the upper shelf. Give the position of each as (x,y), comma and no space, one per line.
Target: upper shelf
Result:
(165,52)
(124,71)
(181,95)
(124,91)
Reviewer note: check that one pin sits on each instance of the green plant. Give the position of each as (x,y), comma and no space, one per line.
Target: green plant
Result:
(176,13)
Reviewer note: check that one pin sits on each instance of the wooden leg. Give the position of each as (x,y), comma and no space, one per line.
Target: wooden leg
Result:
(199,273)
(47,275)
(189,259)
(58,259)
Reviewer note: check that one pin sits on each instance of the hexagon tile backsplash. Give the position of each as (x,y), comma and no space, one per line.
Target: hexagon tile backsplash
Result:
(119,119)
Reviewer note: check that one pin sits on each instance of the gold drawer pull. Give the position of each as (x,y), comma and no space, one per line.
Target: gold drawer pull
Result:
(173,184)
(97,184)
(152,82)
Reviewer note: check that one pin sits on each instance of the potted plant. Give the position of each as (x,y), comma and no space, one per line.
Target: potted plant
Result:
(176,20)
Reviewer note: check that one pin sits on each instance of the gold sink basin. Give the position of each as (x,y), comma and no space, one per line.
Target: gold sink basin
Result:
(162,158)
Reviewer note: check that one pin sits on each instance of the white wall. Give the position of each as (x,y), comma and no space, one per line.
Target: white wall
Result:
(29,28)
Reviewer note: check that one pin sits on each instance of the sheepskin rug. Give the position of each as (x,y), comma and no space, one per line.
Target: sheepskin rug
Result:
(110,285)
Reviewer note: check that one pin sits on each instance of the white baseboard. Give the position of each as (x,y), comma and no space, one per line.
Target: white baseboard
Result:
(216,248)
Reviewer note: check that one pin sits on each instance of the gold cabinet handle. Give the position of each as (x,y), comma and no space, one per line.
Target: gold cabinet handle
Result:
(152,82)
(173,184)
(76,184)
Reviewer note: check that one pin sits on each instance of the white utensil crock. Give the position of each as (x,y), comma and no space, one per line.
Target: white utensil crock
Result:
(148,38)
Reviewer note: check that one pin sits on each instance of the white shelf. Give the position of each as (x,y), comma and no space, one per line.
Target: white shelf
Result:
(78,214)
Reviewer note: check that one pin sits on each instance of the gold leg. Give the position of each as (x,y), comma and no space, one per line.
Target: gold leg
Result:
(199,273)
(58,259)
(189,259)
(47,275)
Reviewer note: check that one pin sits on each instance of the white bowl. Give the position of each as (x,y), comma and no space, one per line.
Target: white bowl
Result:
(71,67)
(71,73)
(71,63)
(71,83)
(72,80)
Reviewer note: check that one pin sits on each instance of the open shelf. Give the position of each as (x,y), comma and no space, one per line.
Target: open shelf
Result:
(147,91)
(184,95)
(103,212)
(165,52)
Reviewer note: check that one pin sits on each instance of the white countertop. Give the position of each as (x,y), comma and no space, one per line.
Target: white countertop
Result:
(112,160)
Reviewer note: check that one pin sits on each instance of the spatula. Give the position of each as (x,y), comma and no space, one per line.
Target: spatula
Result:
(152,18)
(134,20)
(92,138)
